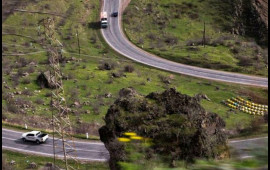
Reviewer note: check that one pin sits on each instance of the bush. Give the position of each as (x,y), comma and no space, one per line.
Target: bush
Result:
(244,61)
(108,65)
(39,101)
(164,79)
(31,69)
(129,68)
(27,92)
(170,40)
(151,36)
(235,50)
(23,62)
(48,94)
(74,93)
(12,108)
(26,81)
(71,76)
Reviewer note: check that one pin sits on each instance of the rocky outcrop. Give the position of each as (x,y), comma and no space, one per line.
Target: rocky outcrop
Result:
(178,126)
(251,18)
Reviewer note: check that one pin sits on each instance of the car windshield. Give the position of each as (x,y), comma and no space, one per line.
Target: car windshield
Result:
(38,133)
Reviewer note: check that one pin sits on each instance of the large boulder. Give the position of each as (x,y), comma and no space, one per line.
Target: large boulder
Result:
(178,126)
(46,80)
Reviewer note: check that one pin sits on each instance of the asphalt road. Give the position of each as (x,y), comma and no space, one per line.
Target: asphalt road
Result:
(88,151)
(247,147)
(114,36)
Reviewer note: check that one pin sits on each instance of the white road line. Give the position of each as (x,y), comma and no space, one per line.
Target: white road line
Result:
(86,150)
(245,157)
(163,68)
(90,143)
(50,155)
(236,141)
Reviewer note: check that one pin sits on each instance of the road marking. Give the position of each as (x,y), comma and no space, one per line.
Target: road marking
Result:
(236,141)
(51,155)
(90,143)
(86,150)
(245,157)
(247,80)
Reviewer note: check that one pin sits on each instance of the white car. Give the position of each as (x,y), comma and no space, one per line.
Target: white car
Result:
(35,136)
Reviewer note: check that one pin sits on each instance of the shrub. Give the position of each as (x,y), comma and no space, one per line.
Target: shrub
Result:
(164,79)
(108,65)
(170,40)
(71,76)
(129,68)
(12,108)
(15,80)
(39,101)
(31,69)
(27,92)
(26,81)
(140,41)
(22,61)
(244,61)
(151,36)
(74,93)
(48,94)
(235,50)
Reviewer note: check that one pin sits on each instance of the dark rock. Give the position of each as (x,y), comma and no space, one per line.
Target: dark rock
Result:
(108,95)
(179,127)
(32,165)
(12,162)
(116,75)
(125,92)
(201,96)
(47,80)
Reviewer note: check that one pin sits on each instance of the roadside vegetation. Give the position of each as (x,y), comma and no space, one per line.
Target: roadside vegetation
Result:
(18,161)
(93,78)
(173,29)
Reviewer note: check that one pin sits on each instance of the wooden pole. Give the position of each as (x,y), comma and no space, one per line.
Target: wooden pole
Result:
(77,33)
(204,34)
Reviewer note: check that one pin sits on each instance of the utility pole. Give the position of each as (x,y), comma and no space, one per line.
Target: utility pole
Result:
(204,33)
(60,118)
(77,34)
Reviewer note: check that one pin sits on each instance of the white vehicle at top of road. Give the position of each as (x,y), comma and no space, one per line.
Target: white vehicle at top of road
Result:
(35,136)
(103,20)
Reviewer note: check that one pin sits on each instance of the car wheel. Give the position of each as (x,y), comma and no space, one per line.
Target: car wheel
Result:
(37,142)
(23,139)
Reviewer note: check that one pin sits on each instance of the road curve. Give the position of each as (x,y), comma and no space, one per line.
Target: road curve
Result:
(89,151)
(86,151)
(115,37)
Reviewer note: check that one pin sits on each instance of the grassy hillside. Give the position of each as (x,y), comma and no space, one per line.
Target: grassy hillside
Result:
(22,161)
(90,88)
(173,29)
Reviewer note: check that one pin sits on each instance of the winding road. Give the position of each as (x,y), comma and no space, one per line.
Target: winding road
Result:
(86,151)
(115,37)
(96,151)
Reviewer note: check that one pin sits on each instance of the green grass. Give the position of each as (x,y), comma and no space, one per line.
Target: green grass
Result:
(23,161)
(183,20)
(88,81)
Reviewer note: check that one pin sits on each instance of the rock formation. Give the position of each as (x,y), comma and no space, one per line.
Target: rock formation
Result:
(179,127)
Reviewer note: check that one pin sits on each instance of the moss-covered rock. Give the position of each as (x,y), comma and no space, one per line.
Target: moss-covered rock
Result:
(178,126)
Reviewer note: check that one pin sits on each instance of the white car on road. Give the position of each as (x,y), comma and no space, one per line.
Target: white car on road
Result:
(35,136)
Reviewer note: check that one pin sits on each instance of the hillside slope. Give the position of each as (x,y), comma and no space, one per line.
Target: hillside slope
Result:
(174,30)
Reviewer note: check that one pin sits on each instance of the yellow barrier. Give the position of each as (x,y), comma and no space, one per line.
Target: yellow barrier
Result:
(246,106)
